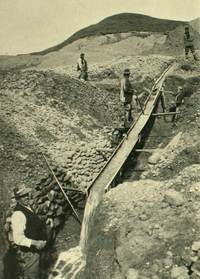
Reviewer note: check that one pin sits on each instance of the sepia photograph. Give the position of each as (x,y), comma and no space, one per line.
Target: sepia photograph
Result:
(100,139)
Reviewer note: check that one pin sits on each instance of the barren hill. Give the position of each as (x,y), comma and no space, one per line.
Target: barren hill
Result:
(111,39)
(120,23)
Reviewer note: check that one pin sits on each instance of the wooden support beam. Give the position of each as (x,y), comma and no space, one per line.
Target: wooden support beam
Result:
(135,170)
(61,188)
(147,150)
(168,91)
(164,113)
(158,136)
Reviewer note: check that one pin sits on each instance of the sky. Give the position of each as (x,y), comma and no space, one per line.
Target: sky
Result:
(34,25)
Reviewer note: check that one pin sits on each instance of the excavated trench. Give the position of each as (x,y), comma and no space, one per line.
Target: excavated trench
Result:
(158,133)
(65,230)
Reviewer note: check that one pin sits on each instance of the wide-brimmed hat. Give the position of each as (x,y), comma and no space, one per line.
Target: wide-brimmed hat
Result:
(20,191)
(126,72)
(172,104)
(180,88)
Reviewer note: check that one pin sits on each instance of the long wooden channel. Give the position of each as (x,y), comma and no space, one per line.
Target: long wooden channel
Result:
(125,147)
(119,156)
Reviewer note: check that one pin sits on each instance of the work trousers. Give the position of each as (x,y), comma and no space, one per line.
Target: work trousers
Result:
(21,265)
(29,265)
(83,75)
(190,48)
(127,114)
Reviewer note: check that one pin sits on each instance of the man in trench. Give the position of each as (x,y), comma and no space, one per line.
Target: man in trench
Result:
(27,239)
(175,105)
(128,97)
(82,67)
(182,97)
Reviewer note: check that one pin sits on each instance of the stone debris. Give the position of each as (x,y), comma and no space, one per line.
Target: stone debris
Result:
(196,269)
(49,202)
(132,274)
(179,272)
(196,246)
(174,198)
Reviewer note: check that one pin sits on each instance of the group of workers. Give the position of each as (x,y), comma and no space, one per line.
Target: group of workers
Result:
(127,95)
(188,40)
(29,233)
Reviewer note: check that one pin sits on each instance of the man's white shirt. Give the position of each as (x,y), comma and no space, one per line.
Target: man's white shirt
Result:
(18,224)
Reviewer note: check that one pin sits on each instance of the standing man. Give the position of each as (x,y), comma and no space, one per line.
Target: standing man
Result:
(28,237)
(127,97)
(82,67)
(189,43)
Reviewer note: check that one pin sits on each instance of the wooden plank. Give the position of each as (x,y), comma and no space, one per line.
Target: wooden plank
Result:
(165,113)
(103,180)
(149,150)
(126,146)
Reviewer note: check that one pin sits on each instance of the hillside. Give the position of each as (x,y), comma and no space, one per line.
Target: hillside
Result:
(110,40)
(120,23)
(67,120)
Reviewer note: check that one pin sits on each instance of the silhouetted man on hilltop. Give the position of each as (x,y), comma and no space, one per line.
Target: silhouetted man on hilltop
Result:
(189,43)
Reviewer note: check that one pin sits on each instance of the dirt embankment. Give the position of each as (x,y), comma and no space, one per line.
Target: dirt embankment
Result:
(63,118)
(150,228)
(67,120)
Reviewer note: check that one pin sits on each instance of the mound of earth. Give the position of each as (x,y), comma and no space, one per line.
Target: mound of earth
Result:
(147,229)
(101,48)
(54,114)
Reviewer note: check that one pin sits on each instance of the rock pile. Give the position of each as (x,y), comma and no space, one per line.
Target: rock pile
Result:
(58,90)
(49,203)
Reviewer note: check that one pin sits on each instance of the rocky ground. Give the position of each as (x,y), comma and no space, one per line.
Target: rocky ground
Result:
(149,228)
(51,112)
(70,122)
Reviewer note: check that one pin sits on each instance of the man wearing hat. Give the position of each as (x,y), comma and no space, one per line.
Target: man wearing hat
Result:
(28,236)
(82,67)
(126,96)
(189,43)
